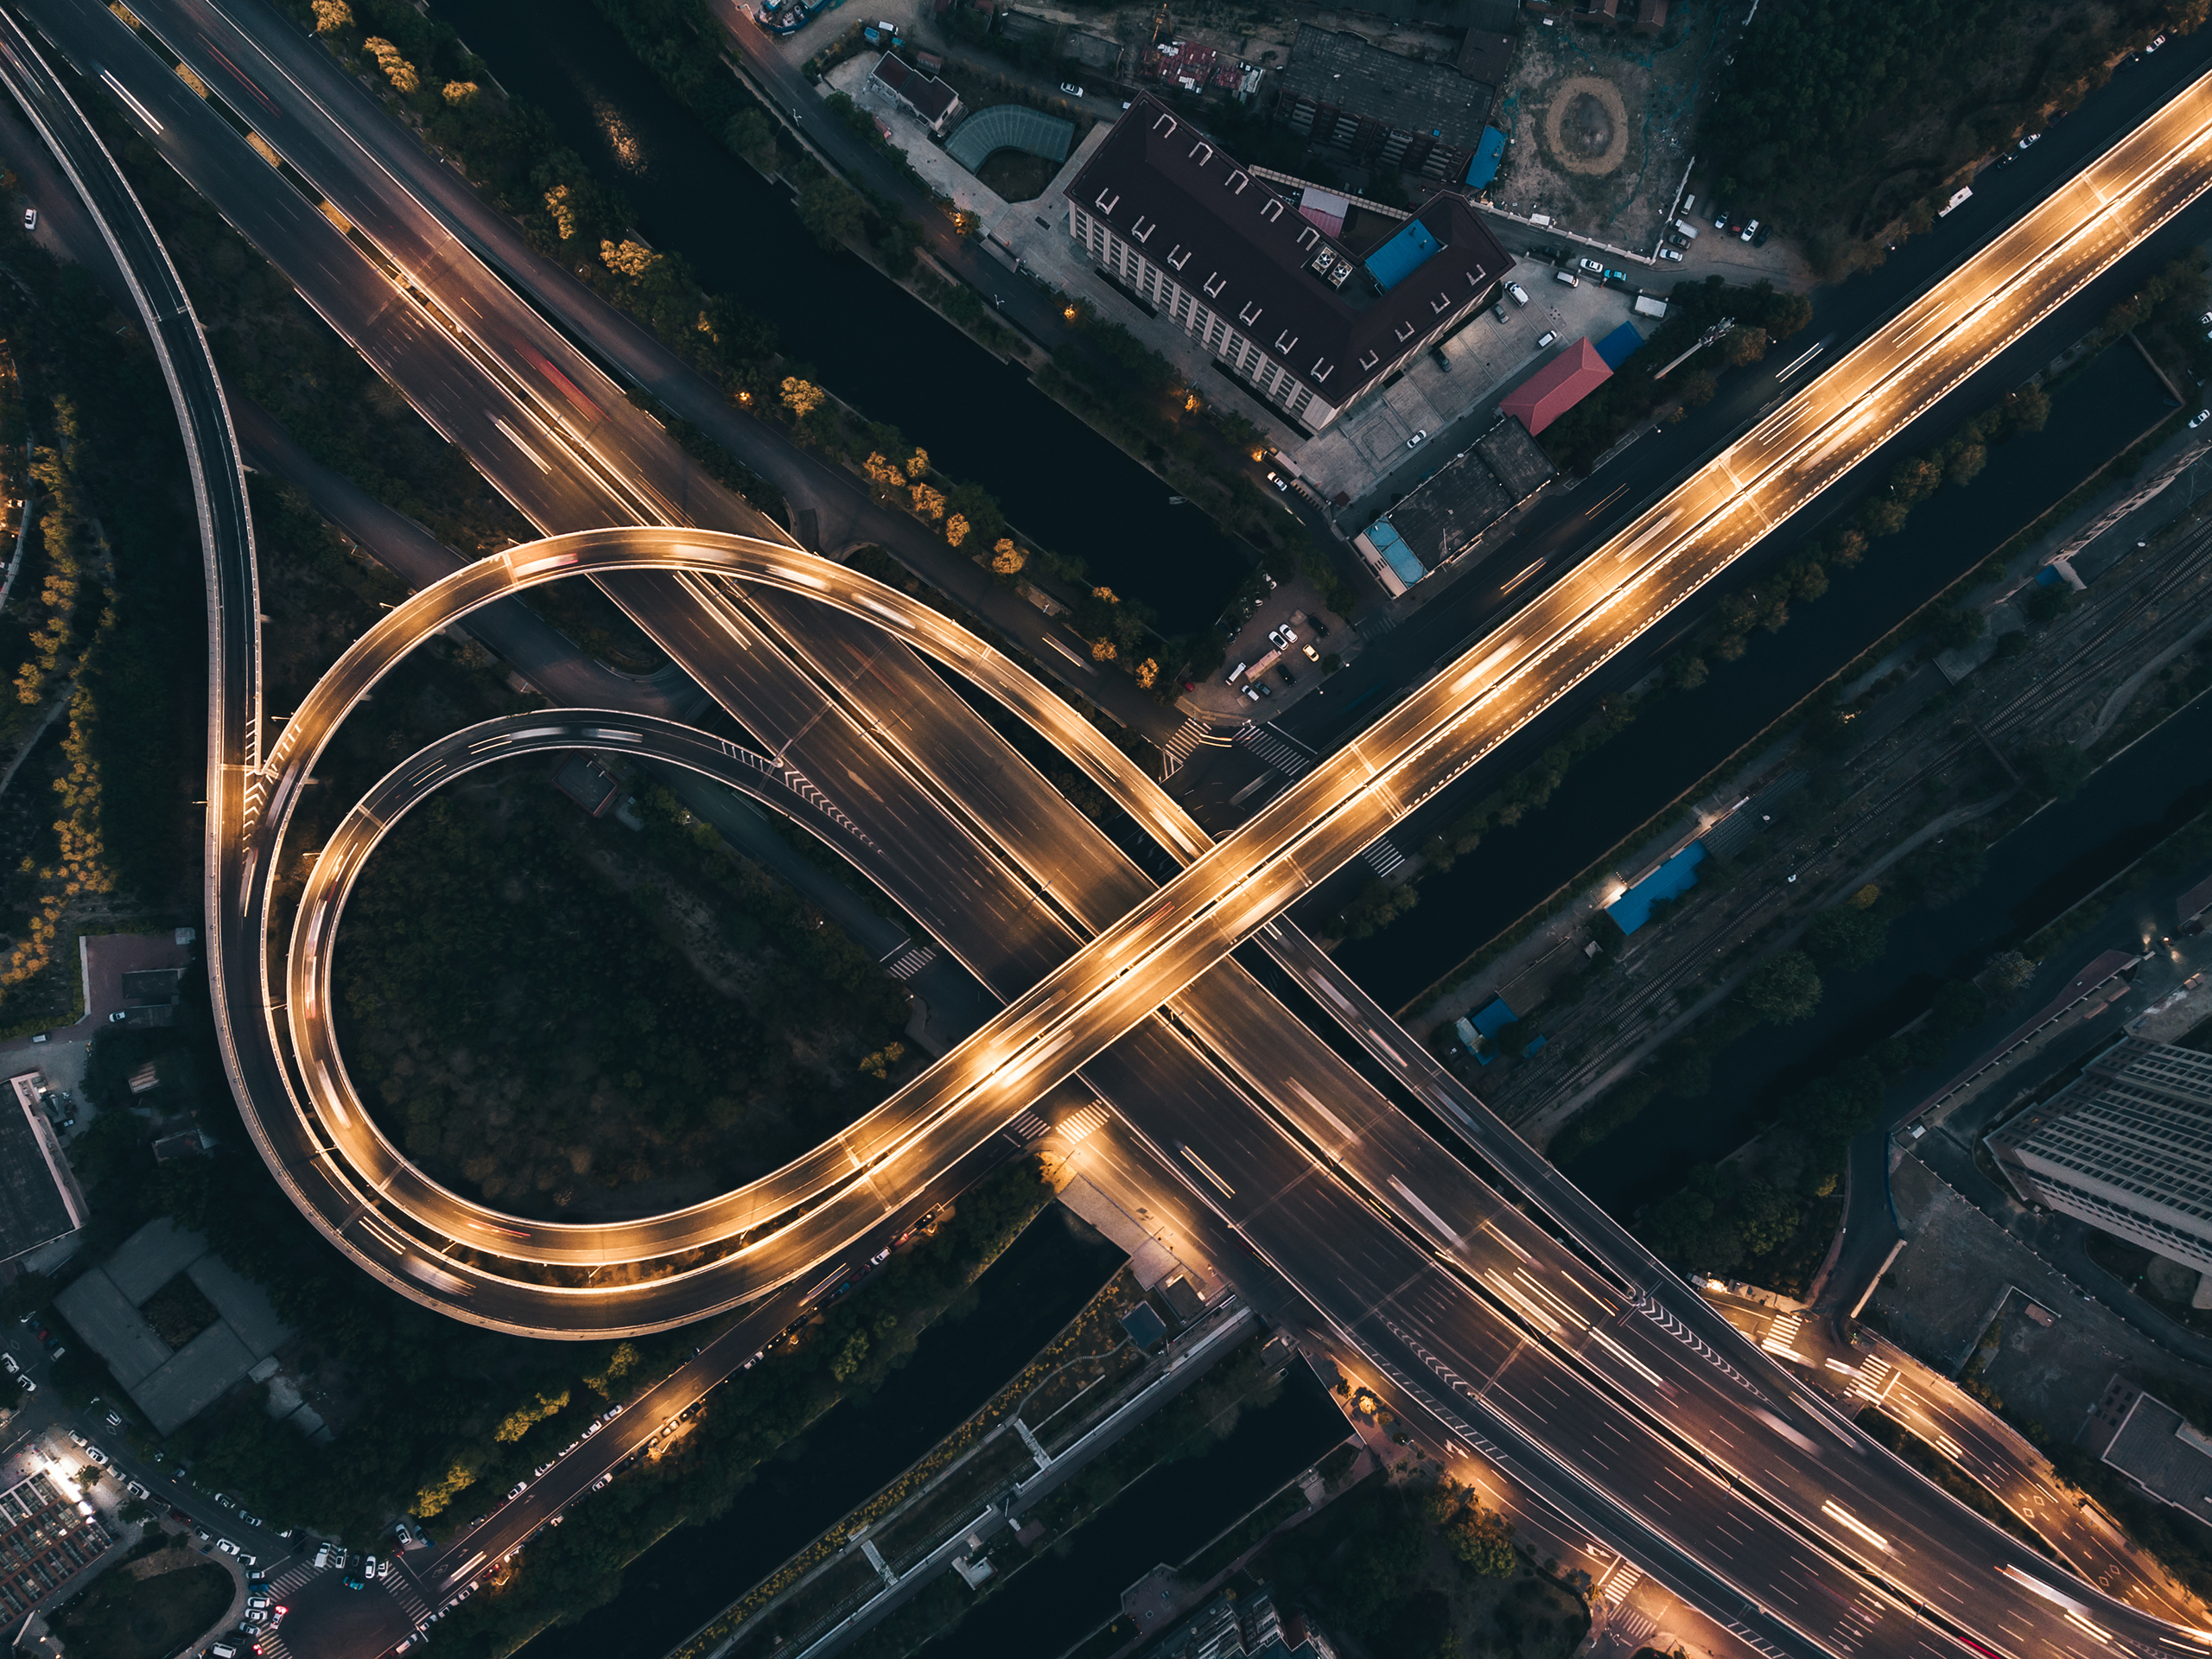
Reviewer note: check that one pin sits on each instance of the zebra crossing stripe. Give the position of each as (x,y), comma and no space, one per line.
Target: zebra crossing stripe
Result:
(1382,855)
(911,962)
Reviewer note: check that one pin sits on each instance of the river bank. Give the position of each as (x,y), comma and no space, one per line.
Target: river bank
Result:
(842,326)
(1027,1296)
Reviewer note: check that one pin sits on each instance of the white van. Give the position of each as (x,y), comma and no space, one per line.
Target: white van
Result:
(1567,276)
(1683,227)
(1235,674)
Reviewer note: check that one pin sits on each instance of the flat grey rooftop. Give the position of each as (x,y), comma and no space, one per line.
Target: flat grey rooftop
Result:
(195,1378)
(152,1256)
(1515,456)
(2158,1450)
(1345,72)
(171,1385)
(111,1323)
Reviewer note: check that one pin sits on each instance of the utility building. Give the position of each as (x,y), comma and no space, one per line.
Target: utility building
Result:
(1276,300)
(2126,1147)
(1557,387)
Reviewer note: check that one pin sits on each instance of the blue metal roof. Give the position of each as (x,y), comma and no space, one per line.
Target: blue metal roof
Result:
(1488,154)
(1403,255)
(1619,346)
(1392,546)
(1670,881)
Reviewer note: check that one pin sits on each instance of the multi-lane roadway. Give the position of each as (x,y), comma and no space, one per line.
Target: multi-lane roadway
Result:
(1446,1324)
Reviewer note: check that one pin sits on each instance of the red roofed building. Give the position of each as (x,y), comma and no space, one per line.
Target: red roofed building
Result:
(1557,387)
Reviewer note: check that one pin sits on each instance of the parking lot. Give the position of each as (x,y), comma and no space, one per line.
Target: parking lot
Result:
(1368,456)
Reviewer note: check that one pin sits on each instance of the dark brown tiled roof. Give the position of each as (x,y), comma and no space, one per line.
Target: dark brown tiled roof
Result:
(1166,187)
(930,97)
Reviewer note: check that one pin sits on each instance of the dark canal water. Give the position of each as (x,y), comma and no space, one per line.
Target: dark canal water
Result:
(2037,871)
(1164,1518)
(871,343)
(1029,1292)
(1647,765)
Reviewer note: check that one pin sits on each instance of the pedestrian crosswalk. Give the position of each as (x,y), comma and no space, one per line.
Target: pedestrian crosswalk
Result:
(406,1593)
(911,960)
(1631,1626)
(1617,1583)
(1076,1125)
(1875,1376)
(1782,1337)
(1177,749)
(1383,857)
(282,1584)
(396,1585)
(1285,753)
(1027,1128)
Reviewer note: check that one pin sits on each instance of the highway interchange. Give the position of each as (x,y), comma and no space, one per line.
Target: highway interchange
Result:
(1589,1394)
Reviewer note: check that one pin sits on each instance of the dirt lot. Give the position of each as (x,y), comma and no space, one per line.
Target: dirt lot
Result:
(1938,1300)
(1601,121)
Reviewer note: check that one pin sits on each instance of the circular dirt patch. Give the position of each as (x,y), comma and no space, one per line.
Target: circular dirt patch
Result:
(1586,126)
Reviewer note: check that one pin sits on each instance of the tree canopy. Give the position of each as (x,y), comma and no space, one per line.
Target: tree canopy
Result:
(1785,989)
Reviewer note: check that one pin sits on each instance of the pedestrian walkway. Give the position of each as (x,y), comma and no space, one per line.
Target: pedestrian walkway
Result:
(1179,748)
(1279,749)
(1383,857)
(910,960)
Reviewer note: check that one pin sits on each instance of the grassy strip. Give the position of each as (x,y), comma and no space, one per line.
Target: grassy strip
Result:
(1219,1556)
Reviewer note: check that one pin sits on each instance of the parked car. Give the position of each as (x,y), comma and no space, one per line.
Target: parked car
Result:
(1497,311)
(1567,276)
(1617,276)
(135,1490)
(1546,338)
(1072,89)
(1251,695)
(2199,418)
(1312,655)
(1418,439)
(1675,254)
(1288,678)
(227,1546)
(521,1486)
(1590,265)
(1749,232)
(2030,139)
(1720,218)
(322,1556)
(30,218)
(1519,293)
(1276,478)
